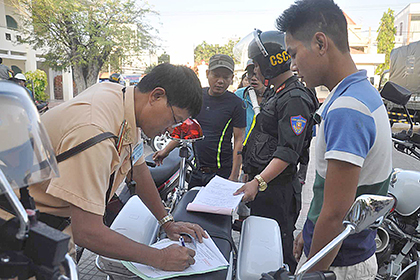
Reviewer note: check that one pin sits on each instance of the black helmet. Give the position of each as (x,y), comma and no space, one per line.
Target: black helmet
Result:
(116,78)
(269,51)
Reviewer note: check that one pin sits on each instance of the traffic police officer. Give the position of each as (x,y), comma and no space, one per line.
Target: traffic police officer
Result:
(282,133)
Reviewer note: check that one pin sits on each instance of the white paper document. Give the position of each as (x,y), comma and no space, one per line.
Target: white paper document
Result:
(207,258)
(217,197)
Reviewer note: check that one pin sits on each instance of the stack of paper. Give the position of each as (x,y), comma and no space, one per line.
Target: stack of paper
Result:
(207,258)
(217,197)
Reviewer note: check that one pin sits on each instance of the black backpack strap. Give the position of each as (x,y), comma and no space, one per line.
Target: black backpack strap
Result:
(85,145)
(111,183)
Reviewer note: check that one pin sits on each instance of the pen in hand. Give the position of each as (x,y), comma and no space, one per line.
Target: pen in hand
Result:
(181,240)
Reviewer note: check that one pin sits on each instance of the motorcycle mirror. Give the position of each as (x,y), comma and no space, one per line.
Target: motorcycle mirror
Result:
(189,131)
(368,211)
(395,93)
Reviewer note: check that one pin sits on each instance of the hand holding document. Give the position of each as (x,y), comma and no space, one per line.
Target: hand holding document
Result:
(217,197)
(207,258)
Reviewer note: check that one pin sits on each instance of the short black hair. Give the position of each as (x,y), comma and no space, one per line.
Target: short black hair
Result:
(182,86)
(306,17)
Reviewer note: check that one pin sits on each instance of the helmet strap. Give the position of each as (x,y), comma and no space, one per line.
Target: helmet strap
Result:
(266,82)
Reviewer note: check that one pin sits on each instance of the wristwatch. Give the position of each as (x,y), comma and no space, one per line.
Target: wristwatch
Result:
(166,219)
(262,185)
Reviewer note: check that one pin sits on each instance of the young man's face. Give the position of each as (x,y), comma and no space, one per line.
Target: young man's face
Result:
(219,80)
(254,81)
(258,74)
(304,61)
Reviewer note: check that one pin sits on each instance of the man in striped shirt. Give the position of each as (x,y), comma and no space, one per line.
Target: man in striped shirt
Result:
(353,145)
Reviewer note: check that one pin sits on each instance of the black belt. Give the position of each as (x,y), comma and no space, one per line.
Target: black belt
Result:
(53,221)
(207,169)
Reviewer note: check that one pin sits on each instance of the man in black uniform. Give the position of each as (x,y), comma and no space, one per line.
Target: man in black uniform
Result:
(276,144)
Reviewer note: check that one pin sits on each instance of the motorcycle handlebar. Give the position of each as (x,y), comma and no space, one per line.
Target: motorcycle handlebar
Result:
(283,274)
(71,268)
(402,135)
(318,275)
(150,163)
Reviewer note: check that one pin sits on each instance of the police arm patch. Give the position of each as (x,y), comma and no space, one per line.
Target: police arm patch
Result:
(298,124)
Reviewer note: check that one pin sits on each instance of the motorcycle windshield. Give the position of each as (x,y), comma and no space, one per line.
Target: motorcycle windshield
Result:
(26,154)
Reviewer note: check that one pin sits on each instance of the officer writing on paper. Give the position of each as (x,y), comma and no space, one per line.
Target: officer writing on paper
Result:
(163,99)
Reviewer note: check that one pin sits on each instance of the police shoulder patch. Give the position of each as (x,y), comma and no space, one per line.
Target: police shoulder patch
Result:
(298,124)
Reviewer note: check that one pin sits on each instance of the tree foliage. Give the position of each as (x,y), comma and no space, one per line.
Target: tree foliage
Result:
(83,34)
(386,39)
(164,58)
(204,51)
(37,82)
(149,68)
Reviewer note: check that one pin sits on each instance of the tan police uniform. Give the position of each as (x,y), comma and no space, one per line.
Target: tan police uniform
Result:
(84,178)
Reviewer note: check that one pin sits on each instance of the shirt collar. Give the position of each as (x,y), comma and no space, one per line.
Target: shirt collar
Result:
(129,115)
(339,89)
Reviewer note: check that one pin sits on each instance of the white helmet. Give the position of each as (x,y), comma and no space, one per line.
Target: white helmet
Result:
(20,76)
(405,186)
(26,155)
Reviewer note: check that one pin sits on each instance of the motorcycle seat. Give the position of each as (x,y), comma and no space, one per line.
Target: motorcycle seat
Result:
(169,166)
(218,226)
(416,138)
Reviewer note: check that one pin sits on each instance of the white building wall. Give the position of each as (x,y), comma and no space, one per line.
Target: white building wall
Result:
(369,62)
(409,31)
(22,56)
(2,16)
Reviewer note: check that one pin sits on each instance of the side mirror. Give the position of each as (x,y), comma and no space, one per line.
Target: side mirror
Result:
(368,211)
(395,93)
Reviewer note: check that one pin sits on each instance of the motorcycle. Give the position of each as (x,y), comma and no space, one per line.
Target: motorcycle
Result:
(41,106)
(172,175)
(398,238)
(158,142)
(29,247)
(260,246)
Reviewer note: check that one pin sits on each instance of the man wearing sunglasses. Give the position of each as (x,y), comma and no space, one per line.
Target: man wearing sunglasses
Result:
(75,202)
(222,115)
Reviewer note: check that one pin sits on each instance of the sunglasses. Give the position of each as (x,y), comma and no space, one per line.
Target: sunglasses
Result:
(250,74)
(176,123)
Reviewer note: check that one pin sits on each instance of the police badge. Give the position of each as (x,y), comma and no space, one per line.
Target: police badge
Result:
(298,124)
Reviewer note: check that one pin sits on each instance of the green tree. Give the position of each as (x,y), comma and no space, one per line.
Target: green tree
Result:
(83,34)
(37,83)
(386,39)
(204,51)
(164,58)
(149,68)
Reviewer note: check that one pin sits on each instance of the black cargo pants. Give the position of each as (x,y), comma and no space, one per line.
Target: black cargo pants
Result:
(282,202)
